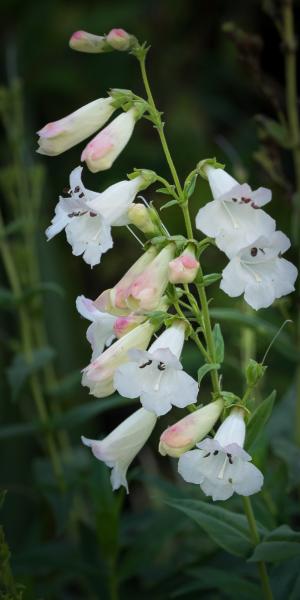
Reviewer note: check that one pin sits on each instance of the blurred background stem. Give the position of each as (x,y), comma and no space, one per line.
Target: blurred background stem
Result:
(290,58)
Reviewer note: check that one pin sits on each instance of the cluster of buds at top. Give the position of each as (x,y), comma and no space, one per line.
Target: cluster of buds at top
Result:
(116,39)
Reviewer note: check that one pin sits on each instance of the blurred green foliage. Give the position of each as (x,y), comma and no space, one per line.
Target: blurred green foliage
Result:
(80,543)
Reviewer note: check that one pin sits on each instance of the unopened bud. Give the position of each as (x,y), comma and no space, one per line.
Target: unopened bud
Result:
(119,39)
(254,372)
(140,216)
(184,268)
(83,41)
(184,434)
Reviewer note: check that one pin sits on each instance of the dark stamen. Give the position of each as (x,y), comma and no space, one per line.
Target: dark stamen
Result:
(161,366)
(253,251)
(230,458)
(93,214)
(216,452)
(254,205)
(262,250)
(229,480)
(77,189)
(146,364)
(206,455)
(246,200)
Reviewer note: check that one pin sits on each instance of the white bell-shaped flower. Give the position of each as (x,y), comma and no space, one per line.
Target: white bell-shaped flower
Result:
(157,376)
(98,376)
(121,446)
(234,217)
(260,273)
(101,331)
(87,216)
(220,465)
(59,136)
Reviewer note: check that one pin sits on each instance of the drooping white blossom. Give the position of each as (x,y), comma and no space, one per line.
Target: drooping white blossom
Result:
(98,376)
(102,150)
(234,217)
(184,434)
(101,331)
(157,376)
(121,446)
(220,465)
(59,136)
(259,272)
(88,216)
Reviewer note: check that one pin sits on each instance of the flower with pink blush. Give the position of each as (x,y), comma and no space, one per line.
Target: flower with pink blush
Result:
(123,325)
(99,374)
(184,268)
(184,434)
(59,136)
(147,289)
(102,150)
(119,39)
(83,41)
(115,299)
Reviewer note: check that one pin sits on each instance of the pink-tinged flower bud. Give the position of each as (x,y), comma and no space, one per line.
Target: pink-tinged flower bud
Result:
(119,39)
(117,296)
(184,268)
(140,216)
(102,150)
(147,289)
(123,325)
(83,41)
(98,376)
(59,136)
(184,434)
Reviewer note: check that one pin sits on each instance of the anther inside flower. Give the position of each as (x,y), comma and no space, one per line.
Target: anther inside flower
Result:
(260,272)
(157,375)
(234,218)
(220,465)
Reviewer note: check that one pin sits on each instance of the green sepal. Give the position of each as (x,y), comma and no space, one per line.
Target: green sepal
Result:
(254,372)
(211,162)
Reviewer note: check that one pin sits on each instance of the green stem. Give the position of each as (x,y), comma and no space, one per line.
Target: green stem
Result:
(208,333)
(290,56)
(265,583)
(159,126)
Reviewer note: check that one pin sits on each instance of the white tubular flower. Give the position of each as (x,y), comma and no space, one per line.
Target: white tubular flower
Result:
(234,217)
(83,41)
(59,136)
(102,150)
(87,216)
(184,268)
(157,376)
(260,273)
(98,375)
(221,466)
(184,434)
(121,446)
(101,331)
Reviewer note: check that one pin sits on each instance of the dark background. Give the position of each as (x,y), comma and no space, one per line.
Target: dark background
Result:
(210,99)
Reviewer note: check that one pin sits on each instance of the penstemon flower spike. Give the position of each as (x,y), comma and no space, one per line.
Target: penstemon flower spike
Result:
(148,296)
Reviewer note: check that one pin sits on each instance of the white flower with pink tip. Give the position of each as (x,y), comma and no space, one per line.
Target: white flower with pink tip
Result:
(98,376)
(59,136)
(102,150)
(157,376)
(220,465)
(121,446)
(184,268)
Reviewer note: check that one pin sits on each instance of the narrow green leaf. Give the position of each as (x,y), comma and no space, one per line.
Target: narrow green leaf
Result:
(207,280)
(281,544)
(211,578)
(206,369)
(290,454)
(219,343)
(228,529)
(21,369)
(168,204)
(258,420)
(164,190)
